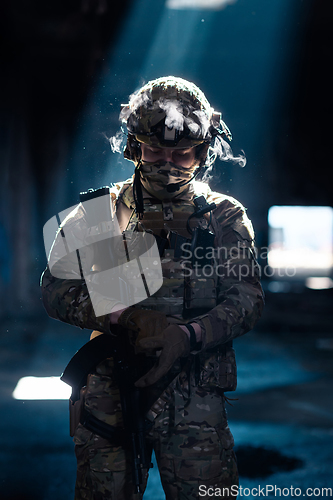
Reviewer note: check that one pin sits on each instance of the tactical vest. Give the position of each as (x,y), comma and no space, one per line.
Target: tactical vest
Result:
(189,283)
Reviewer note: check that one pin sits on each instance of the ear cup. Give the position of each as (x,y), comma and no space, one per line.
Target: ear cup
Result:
(132,150)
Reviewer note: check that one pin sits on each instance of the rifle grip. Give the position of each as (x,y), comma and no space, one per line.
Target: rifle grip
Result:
(75,411)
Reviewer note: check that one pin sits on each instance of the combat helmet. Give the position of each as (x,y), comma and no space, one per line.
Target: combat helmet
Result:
(170,112)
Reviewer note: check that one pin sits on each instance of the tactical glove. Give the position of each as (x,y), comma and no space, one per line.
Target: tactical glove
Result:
(144,323)
(173,342)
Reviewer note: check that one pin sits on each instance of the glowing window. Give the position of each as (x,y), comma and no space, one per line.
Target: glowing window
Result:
(300,241)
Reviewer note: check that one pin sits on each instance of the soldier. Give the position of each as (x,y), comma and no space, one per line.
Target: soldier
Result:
(210,295)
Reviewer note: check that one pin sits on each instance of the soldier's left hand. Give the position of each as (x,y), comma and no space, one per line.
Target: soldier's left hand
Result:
(173,343)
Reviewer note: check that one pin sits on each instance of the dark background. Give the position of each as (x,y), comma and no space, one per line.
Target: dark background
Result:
(66,66)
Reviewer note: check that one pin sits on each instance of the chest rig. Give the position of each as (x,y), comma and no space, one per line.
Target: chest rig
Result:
(180,229)
(186,246)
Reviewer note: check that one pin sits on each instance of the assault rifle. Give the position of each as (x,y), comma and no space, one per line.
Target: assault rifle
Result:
(133,402)
(127,369)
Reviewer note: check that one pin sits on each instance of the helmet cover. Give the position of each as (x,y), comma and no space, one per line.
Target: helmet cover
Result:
(172,112)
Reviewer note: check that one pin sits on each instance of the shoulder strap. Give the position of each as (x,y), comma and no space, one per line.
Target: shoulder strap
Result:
(124,214)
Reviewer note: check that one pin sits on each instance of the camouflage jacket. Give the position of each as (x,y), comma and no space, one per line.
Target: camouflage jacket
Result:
(238,300)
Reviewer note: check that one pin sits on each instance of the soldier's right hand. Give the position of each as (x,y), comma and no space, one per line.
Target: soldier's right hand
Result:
(144,323)
(173,343)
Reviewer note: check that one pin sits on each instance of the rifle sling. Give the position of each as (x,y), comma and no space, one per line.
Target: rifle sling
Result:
(116,435)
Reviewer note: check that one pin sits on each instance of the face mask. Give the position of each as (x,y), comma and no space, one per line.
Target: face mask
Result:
(165,180)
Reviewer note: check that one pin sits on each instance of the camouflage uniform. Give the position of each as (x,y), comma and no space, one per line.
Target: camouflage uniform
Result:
(190,434)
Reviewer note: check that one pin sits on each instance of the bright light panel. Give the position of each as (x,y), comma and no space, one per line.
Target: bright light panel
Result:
(41,388)
(300,240)
(198,4)
(319,282)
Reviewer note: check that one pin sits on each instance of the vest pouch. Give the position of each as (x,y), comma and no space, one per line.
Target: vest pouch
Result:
(200,294)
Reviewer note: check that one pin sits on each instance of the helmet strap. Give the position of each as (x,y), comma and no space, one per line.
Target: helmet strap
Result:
(137,192)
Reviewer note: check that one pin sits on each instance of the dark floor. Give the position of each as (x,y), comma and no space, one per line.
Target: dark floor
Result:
(282,420)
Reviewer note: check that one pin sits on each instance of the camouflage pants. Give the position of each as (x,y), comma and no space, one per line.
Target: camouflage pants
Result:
(192,449)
